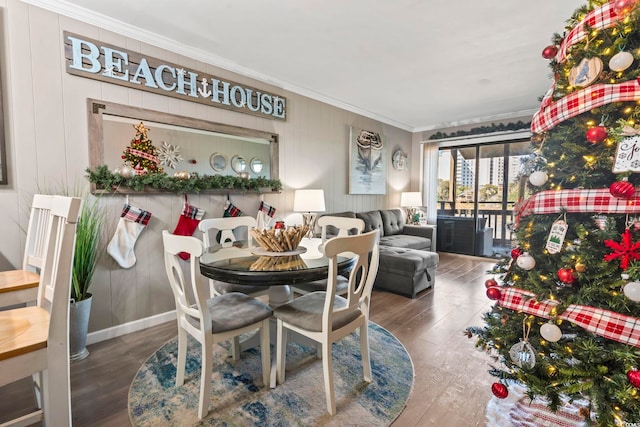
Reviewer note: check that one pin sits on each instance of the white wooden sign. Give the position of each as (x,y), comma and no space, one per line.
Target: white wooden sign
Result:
(627,155)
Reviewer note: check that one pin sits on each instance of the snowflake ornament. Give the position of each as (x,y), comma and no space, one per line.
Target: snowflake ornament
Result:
(626,250)
(169,155)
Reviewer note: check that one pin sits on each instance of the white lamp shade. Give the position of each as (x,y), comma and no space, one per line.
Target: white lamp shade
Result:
(308,201)
(411,199)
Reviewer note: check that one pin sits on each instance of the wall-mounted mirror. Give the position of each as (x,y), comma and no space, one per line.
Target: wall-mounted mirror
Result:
(218,162)
(256,165)
(238,164)
(194,145)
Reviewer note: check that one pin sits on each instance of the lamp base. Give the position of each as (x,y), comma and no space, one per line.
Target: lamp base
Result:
(309,220)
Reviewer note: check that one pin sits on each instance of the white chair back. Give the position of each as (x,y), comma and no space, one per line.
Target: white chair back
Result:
(39,220)
(365,248)
(226,226)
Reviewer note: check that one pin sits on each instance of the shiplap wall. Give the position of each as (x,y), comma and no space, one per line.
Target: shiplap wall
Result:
(47,145)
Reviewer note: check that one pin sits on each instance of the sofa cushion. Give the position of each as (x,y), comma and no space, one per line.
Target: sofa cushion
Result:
(392,221)
(406,241)
(372,221)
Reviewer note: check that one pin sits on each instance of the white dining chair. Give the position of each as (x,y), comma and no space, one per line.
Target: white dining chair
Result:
(331,226)
(34,340)
(325,317)
(223,231)
(210,320)
(21,286)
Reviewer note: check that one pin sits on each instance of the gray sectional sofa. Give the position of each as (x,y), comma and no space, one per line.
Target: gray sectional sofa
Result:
(408,259)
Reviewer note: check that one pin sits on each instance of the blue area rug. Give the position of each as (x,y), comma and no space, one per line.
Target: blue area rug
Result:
(239,399)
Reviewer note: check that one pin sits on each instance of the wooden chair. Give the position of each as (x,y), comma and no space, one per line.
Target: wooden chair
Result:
(330,225)
(21,286)
(34,340)
(226,228)
(213,320)
(326,317)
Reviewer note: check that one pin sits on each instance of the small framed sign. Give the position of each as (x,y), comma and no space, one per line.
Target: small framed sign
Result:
(627,155)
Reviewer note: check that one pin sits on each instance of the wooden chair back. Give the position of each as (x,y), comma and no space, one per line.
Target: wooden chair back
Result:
(226,227)
(39,220)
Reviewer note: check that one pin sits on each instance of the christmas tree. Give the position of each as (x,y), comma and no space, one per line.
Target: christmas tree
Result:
(566,322)
(142,155)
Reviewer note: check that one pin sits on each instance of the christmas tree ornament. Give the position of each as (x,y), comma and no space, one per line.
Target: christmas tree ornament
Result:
(526,261)
(494,293)
(556,236)
(499,390)
(550,332)
(490,283)
(522,353)
(620,61)
(623,7)
(117,170)
(131,223)
(632,291)
(516,252)
(538,178)
(504,319)
(634,377)
(182,175)
(586,72)
(550,52)
(622,189)
(127,171)
(567,276)
(600,221)
(580,267)
(596,134)
(626,250)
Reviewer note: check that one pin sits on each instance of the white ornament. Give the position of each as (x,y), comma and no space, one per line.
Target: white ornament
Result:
(550,332)
(620,61)
(526,261)
(538,178)
(117,170)
(169,155)
(127,171)
(632,291)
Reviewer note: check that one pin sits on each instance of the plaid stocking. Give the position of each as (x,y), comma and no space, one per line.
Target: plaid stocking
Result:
(187,223)
(131,223)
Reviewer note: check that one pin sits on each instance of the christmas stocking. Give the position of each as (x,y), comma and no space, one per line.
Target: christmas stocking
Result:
(229,211)
(265,215)
(131,223)
(187,223)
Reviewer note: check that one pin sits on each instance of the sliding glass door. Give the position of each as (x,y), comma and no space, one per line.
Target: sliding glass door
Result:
(477,187)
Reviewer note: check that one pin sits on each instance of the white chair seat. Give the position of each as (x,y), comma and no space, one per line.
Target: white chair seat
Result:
(306,312)
(233,311)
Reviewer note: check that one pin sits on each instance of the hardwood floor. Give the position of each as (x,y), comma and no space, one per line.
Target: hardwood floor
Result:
(452,386)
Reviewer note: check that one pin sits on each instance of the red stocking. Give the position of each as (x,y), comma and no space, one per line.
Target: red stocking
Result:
(187,223)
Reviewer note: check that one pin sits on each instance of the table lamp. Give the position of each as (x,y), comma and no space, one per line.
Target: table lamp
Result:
(411,200)
(309,202)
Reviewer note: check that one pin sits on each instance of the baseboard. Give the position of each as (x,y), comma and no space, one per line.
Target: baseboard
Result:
(127,328)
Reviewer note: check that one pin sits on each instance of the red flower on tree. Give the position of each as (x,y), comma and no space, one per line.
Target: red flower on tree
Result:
(626,250)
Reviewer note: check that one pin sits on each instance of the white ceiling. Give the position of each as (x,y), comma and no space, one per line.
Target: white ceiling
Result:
(415,64)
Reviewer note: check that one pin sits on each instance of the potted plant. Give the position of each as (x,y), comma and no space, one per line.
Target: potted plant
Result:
(88,232)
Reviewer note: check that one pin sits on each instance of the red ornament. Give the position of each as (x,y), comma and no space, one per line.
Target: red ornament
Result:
(622,7)
(493,293)
(549,52)
(516,252)
(567,275)
(634,377)
(626,250)
(193,161)
(596,134)
(499,390)
(490,283)
(622,189)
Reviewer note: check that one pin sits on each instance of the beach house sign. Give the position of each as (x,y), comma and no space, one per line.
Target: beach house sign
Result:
(101,61)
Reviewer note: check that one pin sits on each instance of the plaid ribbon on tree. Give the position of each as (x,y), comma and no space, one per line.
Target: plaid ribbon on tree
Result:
(598,19)
(581,101)
(143,154)
(597,200)
(521,300)
(131,213)
(550,114)
(267,209)
(608,324)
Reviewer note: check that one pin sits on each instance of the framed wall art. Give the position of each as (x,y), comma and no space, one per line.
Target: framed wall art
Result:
(367,162)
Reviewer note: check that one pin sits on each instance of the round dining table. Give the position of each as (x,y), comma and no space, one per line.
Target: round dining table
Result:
(239,264)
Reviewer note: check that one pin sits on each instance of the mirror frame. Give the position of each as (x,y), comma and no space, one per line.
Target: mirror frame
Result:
(212,161)
(238,164)
(253,165)
(96,109)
